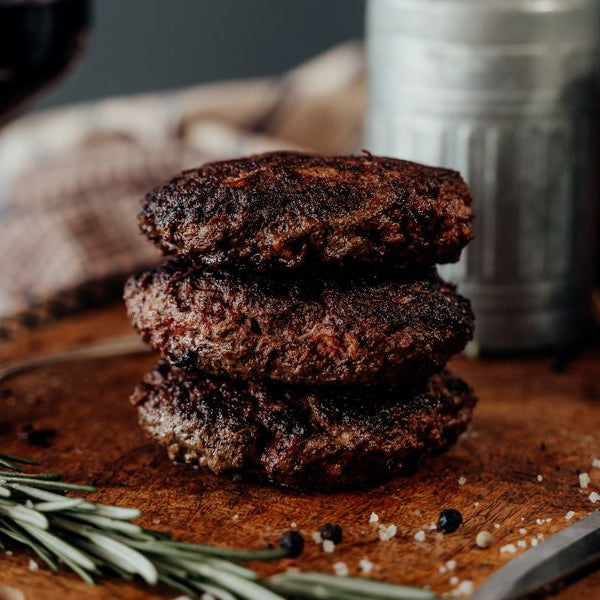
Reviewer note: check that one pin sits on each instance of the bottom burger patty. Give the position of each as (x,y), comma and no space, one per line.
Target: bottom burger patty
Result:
(303,437)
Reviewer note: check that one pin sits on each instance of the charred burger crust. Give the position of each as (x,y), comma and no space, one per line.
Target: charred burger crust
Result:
(290,210)
(357,331)
(300,436)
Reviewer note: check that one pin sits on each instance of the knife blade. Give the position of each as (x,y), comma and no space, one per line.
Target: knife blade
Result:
(556,558)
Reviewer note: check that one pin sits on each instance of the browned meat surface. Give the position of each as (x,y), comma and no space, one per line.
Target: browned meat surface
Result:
(312,438)
(306,331)
(289,210)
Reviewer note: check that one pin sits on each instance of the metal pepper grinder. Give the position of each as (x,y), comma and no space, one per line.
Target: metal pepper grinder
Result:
(506,92)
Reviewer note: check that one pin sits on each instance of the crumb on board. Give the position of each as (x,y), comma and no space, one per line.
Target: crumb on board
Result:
(484,539)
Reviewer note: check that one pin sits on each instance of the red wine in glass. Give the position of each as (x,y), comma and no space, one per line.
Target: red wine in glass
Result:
(39,41)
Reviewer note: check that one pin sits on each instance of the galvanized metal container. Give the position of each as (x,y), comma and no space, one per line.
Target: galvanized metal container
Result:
(504,91)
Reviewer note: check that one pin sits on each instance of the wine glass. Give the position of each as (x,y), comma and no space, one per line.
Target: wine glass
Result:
(39,42)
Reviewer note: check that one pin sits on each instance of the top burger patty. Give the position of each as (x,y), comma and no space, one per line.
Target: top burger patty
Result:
(334,331)
(290,210)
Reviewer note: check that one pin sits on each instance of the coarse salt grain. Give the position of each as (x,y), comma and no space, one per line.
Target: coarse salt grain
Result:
(569,515)
(596,463)
(508,549)
(387,533)
(462,480)
(9,553)
(420,536)
(496,525)
(373,517)
(594,497)
(442,569)
(549,520)
(316,537)
(451,565)
(584,480)
(522,531)
(365,565)
(539,521)
(540,478)
(341,569)
(328,546)
(293,525)
(454,580)
(475,504)
(432,526)
(235,517)
(33,566)
(534,542)
(465,588)
(522,544)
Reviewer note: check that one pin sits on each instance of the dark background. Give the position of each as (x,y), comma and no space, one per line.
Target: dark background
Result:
(143,45)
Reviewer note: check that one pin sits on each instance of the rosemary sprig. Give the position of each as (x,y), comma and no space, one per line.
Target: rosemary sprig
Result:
(96,540)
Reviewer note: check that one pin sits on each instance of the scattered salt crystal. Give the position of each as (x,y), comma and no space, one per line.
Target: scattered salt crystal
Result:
(373,518)
(451,565)
(496,525)
(508,549)
(594,497)
(465,588)
(484,539)
(341,569)
(522,531)
(522,544)
(454,580)
(33,566)
(569,515)
(534,542)
(366,566)
(549,520)
(156,521)
(539,521)
(540,478)
(442,570)
(584,480)
(387,533)
(316,537)
(432,526)
(540,536)
(293,525)
(462,480)
(596,463)
(420,536)
(475,504)
(328,546)
(235,517)
(29,504)
(9,553)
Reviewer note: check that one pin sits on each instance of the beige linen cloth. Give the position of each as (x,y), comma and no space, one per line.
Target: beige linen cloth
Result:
(72,179)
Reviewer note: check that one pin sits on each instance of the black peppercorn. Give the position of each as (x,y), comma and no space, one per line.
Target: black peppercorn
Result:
(331,532)
(449,520)
(293,542)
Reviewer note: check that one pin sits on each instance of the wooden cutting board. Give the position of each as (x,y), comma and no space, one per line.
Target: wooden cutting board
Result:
(530,422)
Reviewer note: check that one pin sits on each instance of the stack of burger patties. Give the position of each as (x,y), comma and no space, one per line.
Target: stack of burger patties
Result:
(303,328)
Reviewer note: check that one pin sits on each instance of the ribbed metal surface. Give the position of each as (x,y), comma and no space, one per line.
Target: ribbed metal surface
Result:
(512,108)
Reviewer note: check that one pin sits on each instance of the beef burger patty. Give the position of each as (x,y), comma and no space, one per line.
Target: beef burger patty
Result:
(291,210)
(357,331)
(311,438)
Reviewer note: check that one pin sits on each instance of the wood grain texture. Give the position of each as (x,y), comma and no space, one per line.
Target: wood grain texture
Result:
(522,404)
